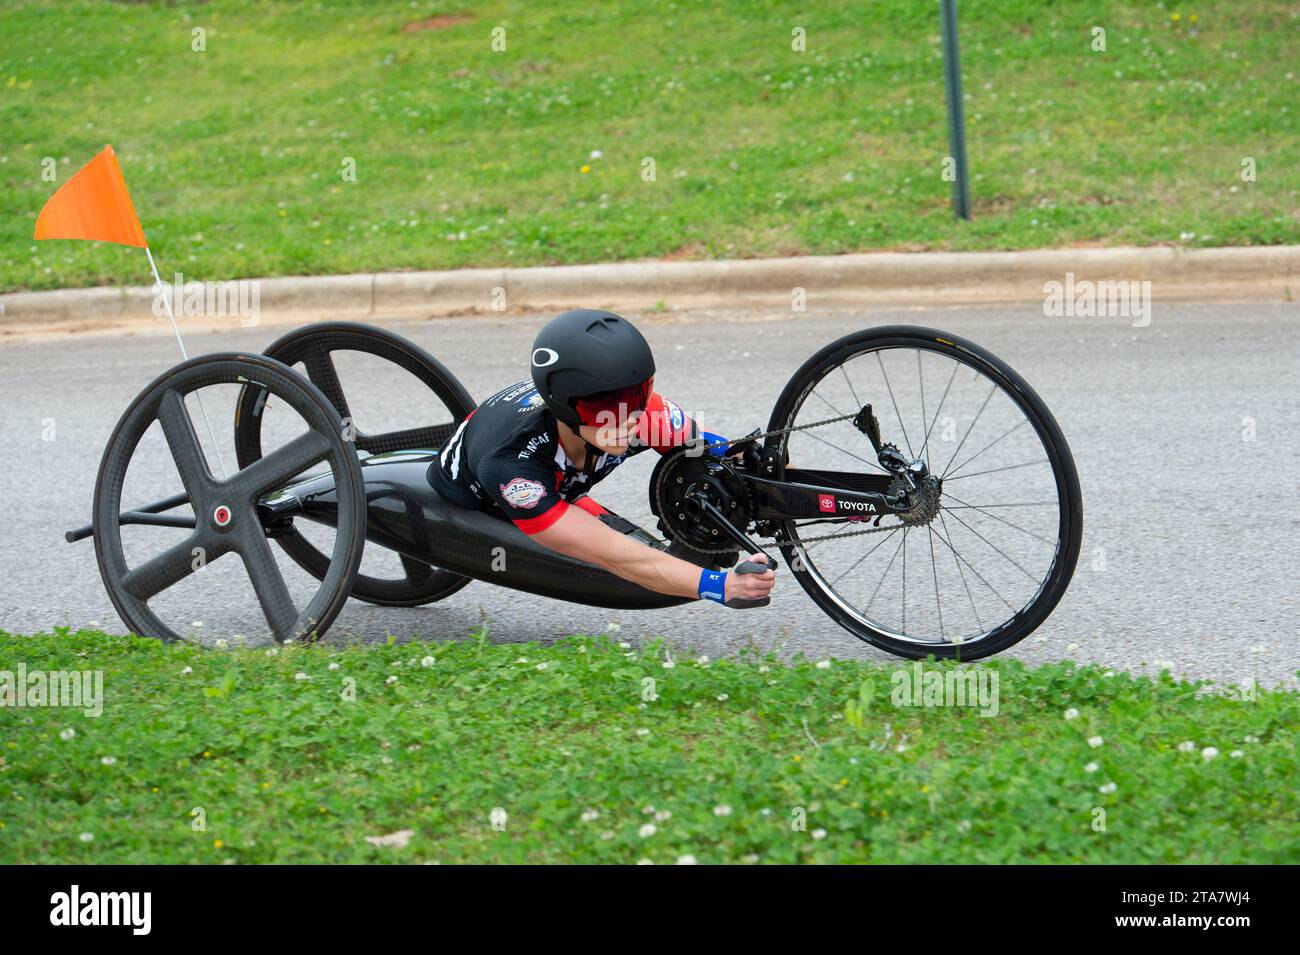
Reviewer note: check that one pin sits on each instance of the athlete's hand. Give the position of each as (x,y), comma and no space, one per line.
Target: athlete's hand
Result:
(750,587)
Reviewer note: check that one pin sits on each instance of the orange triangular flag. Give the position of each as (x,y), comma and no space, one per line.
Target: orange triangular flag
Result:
(93,204)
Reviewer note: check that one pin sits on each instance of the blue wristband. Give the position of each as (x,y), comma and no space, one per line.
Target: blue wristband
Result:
(713,585)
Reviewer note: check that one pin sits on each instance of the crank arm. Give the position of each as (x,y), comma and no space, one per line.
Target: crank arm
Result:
(731,530)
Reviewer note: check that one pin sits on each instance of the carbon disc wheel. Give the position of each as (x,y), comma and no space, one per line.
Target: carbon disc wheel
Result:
(990,549)
(314,346)
(226,518)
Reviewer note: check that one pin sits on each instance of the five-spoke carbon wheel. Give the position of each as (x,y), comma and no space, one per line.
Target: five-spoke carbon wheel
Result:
(226,517)
(979,565)
(314,346)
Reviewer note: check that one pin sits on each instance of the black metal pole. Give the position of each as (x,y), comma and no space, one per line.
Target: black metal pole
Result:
(956,113)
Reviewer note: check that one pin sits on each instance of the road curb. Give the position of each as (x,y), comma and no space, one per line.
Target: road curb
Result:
(921,278)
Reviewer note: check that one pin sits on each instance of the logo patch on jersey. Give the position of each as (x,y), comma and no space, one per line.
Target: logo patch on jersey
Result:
(529,401)
(674,414)
(521,492)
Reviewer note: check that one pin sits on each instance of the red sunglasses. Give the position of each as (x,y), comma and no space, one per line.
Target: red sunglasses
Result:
(614,407)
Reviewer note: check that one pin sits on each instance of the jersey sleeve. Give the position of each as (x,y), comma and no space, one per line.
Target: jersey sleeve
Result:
(664,426)
(525,490)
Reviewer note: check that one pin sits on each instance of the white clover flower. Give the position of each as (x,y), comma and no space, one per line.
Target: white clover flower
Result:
(1186,746)
(823,664)
(68,733)
(427,662)
(1237,754)
(663,815)
(624,645)
(1072,714)
(301,676)
(900,748)
(590,815)
(818,833)
(764,669)
(702,660)
(647,830)
(221,643)
(765,811)
(522,660)
(1209,753)
(1092,767)
(187,671)
(334,666)
(646,810)
(723,697)
(108,760)
(542,665)
(1107,788)
(722,810)
(1251,739)
(391,680)
(596,154)
(87,837)
(686,860)
(1095,741)
(272,651)
(642,732)
(963,826)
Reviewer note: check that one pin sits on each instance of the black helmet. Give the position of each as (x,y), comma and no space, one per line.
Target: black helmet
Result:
(585,352)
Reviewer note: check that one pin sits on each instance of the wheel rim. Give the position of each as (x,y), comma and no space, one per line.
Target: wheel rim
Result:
(314,347)
(225,510)
(975,588)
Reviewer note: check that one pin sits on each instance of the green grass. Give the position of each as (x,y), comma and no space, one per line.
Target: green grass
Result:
(563,740)
(469,157)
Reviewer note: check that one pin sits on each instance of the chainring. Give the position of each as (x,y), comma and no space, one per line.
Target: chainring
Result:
(676,477)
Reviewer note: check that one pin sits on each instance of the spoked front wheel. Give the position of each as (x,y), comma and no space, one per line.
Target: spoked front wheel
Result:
(989,548)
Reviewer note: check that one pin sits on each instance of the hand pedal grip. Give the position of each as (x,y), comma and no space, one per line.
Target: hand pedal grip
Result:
(751,567)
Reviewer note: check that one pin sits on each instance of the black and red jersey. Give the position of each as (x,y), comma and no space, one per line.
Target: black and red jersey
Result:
(507,455)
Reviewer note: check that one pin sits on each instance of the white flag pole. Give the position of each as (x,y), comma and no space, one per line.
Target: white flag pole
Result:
(185,355)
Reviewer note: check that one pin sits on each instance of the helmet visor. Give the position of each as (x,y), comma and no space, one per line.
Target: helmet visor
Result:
(612,408)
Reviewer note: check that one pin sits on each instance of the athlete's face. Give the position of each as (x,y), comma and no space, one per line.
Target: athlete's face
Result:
(613,432)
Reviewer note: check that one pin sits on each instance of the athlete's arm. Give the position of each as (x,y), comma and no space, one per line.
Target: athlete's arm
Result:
(583,536)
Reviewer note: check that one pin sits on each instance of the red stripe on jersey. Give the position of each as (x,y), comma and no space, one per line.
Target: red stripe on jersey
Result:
(533,525)
(590,506)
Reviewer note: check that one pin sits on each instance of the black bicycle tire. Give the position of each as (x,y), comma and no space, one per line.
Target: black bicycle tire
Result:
(406,354)
(1070,523)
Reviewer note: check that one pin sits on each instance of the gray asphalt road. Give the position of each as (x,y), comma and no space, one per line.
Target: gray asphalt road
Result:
(1185,435)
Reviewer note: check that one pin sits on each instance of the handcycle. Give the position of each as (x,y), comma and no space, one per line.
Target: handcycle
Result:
(919,490)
